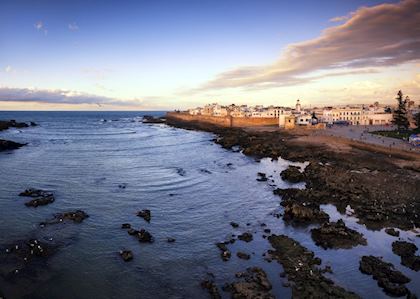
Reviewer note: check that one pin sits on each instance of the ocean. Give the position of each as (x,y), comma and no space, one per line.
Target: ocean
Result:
(111,165)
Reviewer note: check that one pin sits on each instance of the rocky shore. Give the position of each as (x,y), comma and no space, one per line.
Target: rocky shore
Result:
(6,145)
(379,189)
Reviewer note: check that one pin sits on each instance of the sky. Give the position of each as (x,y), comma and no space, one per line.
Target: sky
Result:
(164,55)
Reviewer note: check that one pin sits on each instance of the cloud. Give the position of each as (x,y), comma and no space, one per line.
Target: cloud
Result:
(41,27)
(73,26)
(59,96)
(378,36)
(8,69)
(340,19)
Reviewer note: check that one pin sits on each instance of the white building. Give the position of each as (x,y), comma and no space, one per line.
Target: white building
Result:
(303,119)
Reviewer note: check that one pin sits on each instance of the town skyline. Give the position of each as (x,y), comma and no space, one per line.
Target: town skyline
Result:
(165,56)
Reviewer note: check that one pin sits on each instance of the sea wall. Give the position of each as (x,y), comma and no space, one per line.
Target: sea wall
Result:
(227,121)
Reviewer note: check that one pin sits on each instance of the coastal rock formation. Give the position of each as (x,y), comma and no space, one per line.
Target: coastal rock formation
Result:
(126,255)
(6,145)
(142,235)
(406,251)
(254,283)
(390,280)
(234,224)
(149,119)
(145,214)
(301,268)
(301,214)
(392,232)
(292,174)
(337,235)
(262,177)
(4,124)
(243,255)
(125,225)
(41,197)
(212,288)
(170,240)
(76,216)
(246,237)
(224,251)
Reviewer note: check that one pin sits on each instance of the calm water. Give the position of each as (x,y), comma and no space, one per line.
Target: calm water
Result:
(187,183)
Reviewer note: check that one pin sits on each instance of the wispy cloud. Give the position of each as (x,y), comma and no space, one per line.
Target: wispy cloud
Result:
(378,36)
(58,96)
(8,69)
(73,26)
(41,27)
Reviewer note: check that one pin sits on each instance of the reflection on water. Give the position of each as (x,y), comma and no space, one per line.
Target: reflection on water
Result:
(194,189)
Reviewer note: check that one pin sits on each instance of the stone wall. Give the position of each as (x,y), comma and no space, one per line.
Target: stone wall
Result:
(227,121)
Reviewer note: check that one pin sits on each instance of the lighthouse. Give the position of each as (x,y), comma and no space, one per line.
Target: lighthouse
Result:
(298,106)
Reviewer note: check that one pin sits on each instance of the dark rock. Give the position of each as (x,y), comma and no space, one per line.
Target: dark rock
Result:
(243,255)
(407,252)
(392,232)
(41,197)
(254,283)
(337,235)
(234,224)
(6,145)
(4,125)
(292,174)
(132,231)
(212,288)
(76,216)
(262,177)
(126,225)
(299,213)
(148,119)
(171,240)
(246,237)
(144,236)
(42,201)
(145,214)
(35,193)
(301,267)
(390,280)
(126,255)
(267,231)
(224,251)
(33,124)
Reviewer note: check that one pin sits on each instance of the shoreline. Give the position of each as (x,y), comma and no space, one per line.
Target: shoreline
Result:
(348,174)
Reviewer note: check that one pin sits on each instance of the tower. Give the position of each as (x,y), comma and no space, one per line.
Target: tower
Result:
(298,106)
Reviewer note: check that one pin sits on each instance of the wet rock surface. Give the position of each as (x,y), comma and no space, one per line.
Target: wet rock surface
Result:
(41,197)
(234,224)
(125,225)
(292,174)
(6,145)
(142,235)
(145,214)
(246,237)
(211,287)
(303,214)
(262,177)
(126,255)
(407,252)
(337,235)
(390,280)
(253,283)
(6,124)
(225,254)
(243,255)
(76,216)
(149,119)
(392,232)
(170,240)
(300,266)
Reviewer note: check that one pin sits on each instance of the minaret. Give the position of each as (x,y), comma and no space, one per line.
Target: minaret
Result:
(298,106)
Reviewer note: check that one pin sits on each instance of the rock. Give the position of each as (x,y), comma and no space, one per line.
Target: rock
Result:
(301,267)
(145,214)
(41,197)
(148,119)
(171,240)
(243,255)
(126,255)
(76,216)
(299,213)
(246,237)
(224,251)
(132,231)
(292,174)
(337,235)
(390,280)
(212,288)
(33,124)
(267,231)
(234,224)
(126,225)
(407,252)
(254,283)
(4,124)
(144,236)
(392,232)
(6,145)
(262,177)
(42,201)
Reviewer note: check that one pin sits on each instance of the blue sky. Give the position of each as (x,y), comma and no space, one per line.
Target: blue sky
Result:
(166,54)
